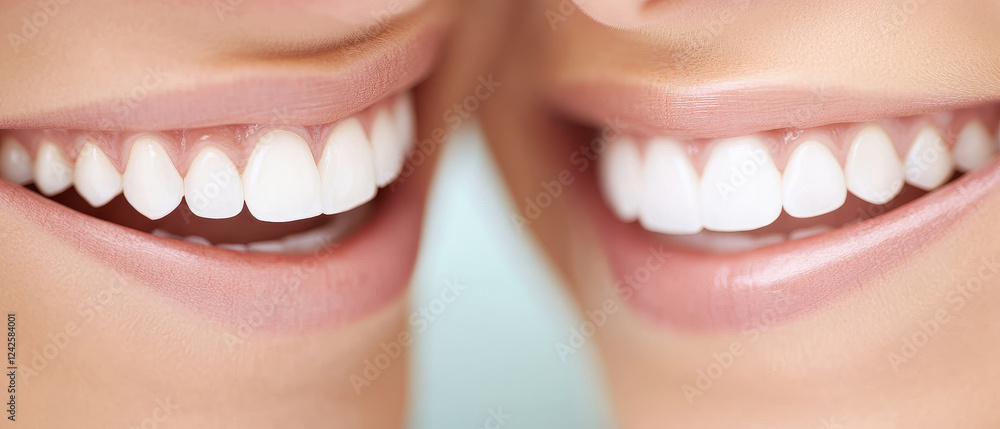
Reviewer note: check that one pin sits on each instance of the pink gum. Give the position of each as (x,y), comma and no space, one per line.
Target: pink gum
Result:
(838,137)
(237,141)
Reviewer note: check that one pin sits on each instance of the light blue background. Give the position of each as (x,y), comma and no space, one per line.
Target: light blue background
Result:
(493,348)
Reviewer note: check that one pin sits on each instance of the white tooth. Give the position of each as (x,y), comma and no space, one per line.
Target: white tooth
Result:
(621,178)
(727,241)
(347,168)
(740,187)
(386,148)
(151,183)
(166,234)
(273,246)
(928,163)
(808,231)
(873,170)
(15,162)
(53,173)
(280,181)
(198,240)
(670,203)
(973,148)
(405,121)
(308,241)
(235,247)
(813,181)
(213,188)
(96,179)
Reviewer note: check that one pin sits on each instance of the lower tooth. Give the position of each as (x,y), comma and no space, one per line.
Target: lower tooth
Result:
(808,232)
(727,241)
(233,247)
(273,246)
(198,240)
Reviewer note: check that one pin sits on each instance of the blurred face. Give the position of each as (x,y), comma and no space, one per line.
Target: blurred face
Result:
(774,212)
(210,210)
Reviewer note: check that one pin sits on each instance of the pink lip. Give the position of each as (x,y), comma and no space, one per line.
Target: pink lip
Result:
(728,110)
(270,292)
(266,97)
(723,292)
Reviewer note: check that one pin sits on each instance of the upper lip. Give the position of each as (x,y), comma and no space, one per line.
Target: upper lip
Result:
(728,109)
(258,95)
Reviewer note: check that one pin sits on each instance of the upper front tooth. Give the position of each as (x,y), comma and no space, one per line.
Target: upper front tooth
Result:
(405,121)
(670,203)
(280,181)
(95,177)
(386,147)
(928,162)
(347,168)
(873,170)
(53,173)
(740,187)
(152,184)
(973,149)
(621,178)
(813,181)
(213,188)
(15,162)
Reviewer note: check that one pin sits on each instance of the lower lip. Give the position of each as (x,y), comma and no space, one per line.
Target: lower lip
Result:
(704,292)
(331,287)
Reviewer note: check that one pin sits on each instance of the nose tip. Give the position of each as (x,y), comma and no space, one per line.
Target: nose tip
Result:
(619,13)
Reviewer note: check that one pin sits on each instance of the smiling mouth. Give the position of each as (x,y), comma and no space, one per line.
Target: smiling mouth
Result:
(281,198)
(717,233)
(741,193)
(246,188)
